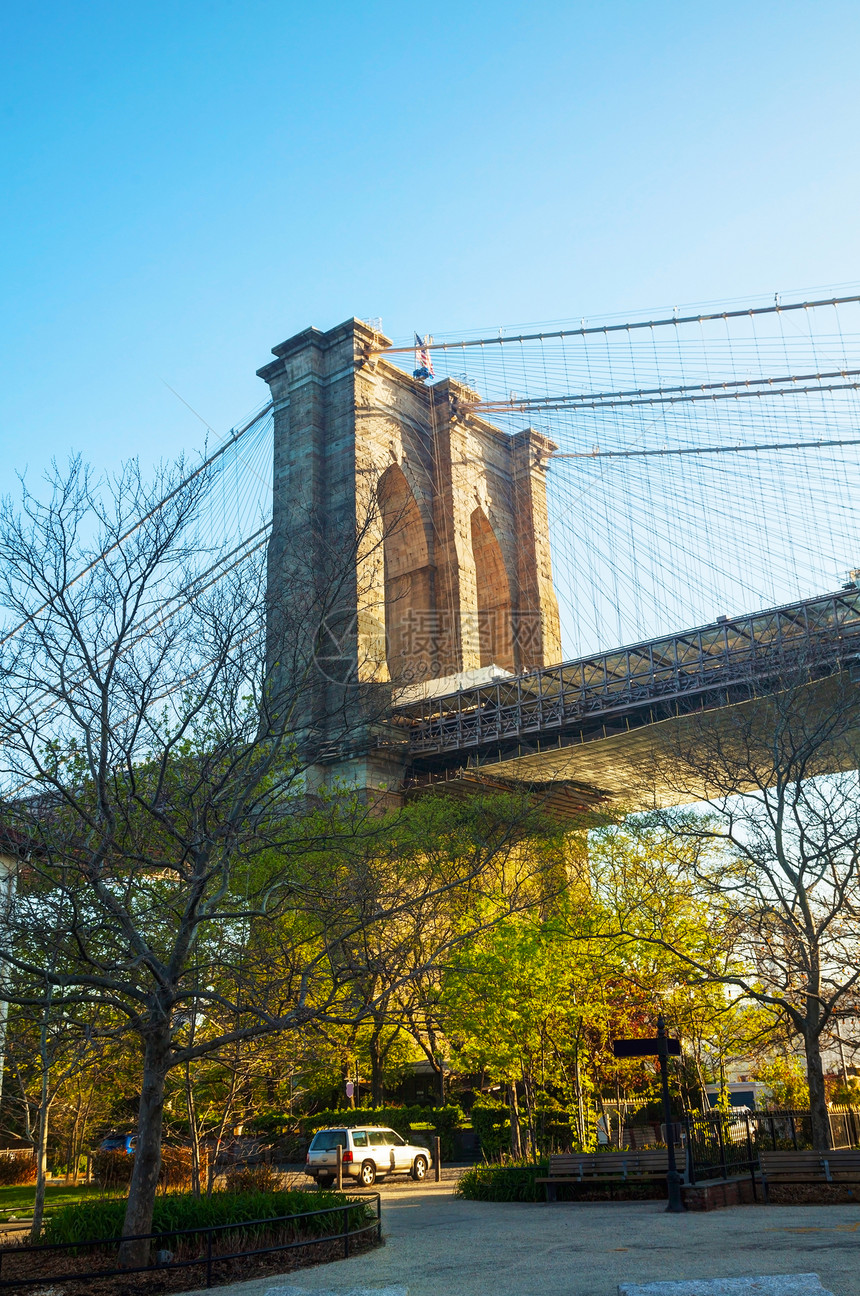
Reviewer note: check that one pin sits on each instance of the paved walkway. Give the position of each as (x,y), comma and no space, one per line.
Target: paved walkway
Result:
(439,1246)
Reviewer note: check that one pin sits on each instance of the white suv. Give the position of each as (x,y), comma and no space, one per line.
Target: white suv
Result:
(370,1152)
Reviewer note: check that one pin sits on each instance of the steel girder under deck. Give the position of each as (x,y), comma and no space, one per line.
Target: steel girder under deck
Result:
(587,719)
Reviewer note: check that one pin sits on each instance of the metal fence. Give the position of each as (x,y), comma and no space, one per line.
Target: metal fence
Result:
(719,1146)
(208,1256)
(725,1145)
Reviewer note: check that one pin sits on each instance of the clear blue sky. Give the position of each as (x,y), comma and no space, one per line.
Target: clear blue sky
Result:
(188,183)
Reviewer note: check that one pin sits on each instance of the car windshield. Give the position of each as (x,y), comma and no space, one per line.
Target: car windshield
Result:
(328,1140)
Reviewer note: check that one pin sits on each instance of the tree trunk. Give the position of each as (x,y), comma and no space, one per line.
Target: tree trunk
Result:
(215,1150)
(193,1130)
(41,1163)
(82,1133)
(147,1156)
(580,1109)
(376,1088)
(516,1142)
(819,1118)
(530,1149)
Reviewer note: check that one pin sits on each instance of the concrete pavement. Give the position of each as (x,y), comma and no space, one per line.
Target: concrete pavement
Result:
(437,1245)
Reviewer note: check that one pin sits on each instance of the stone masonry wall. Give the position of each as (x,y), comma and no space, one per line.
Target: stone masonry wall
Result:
(431,521)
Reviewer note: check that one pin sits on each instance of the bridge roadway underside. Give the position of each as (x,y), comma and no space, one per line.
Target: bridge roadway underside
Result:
(617,725)
(643,764)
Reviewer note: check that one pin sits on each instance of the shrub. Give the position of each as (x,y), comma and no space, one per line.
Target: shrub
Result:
(91,1220)
(17,1168)
(291,1146)
(512,1181)
(175,1169)
(112,1170)
(261,1178)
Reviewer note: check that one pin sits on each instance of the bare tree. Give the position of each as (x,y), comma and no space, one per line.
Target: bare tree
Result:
(776,855)
(160,709)
(47,1049)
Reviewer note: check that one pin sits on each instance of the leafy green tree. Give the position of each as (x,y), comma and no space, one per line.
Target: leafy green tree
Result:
(785,1077)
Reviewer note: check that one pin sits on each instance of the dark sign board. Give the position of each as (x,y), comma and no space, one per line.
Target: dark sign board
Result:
(645,1047)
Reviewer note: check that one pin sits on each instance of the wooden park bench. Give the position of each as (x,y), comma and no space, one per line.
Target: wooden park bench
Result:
(839,1166)
(603,1167)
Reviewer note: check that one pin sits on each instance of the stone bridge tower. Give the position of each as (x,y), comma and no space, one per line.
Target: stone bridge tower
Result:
(428,521)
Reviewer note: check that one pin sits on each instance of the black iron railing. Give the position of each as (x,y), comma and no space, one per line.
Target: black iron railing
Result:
(720,1146)
(208,1256)
(726,1145)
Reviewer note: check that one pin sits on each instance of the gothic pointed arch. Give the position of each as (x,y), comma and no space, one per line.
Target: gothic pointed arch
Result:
(495,626)
(408,575)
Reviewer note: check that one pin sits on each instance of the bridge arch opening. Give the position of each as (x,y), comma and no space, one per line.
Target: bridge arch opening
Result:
(408,576)
(495,626)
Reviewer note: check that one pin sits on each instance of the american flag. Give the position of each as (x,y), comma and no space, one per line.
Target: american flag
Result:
(423,363)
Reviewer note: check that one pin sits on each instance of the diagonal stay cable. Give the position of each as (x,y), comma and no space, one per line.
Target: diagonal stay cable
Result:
(198,585)
(231,441)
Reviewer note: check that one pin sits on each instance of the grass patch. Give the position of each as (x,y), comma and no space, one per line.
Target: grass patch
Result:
(19,1199)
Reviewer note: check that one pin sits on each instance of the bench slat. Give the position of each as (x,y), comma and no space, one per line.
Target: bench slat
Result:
(841,1165)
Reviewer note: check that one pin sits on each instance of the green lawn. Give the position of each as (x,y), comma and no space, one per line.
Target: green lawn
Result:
(19,1201)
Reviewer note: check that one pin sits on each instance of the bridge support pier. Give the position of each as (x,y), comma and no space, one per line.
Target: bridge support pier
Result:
(409,543)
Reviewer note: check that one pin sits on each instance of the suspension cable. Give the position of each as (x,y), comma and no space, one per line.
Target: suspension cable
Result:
(577,399)
(777,309)
(696,450)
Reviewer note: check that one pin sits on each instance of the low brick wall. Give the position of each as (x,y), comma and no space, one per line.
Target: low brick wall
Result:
(713,1194)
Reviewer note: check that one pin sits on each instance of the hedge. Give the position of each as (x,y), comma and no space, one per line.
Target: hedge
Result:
(90,1220)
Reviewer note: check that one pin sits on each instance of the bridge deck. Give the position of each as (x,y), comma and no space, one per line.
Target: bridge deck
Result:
(595,697)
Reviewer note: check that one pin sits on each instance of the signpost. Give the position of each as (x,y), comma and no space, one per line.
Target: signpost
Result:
(662,1047)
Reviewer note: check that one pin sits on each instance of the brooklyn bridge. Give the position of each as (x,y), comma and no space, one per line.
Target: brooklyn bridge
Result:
(497,538)
(562,541)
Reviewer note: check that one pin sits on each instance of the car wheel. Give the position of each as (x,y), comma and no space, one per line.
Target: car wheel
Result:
(419,1168)
(368,1174)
